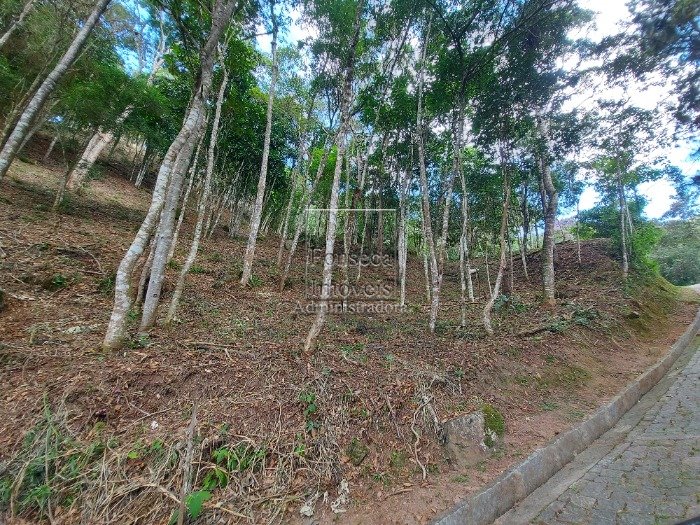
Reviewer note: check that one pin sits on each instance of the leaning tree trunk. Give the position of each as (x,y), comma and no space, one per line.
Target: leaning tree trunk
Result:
(15,24)
(257,209)
(122,287)
(92,151)
(102,138)
(504,250)
(316,326)
(201,208)
(185,198)
(34,106)
(550,198)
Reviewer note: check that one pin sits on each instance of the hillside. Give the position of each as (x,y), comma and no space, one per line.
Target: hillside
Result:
(275,428)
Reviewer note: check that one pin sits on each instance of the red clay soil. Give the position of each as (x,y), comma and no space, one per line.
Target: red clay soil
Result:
(344,413)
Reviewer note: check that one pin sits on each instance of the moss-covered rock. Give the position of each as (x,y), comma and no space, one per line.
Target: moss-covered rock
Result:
(356,451)
(494,425)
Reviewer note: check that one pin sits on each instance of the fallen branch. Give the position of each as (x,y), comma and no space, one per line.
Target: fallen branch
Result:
(187,466)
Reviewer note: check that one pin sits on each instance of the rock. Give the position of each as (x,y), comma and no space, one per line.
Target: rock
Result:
(3,304)
(356,451)
(471,438)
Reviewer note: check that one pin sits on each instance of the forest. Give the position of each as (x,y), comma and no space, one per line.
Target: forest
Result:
(322,168)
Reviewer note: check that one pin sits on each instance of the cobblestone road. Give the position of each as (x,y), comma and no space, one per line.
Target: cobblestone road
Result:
(653,477)
(646,470)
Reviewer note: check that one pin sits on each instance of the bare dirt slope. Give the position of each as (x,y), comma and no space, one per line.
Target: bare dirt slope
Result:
(100,437)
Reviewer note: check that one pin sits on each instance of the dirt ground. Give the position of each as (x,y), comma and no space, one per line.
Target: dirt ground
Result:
(290,425)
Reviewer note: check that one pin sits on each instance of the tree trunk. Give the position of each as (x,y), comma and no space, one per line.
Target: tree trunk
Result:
(92,151)
(34,106)
(102,138)
(488,269)
(301,221)
(402,244)
(503,240)
(425,195)
(623,228)
(258,208)
(578,233)
(316,326)
(525,228)
(202,201)
(47,155)
(185,198)
(221,14)
(550,198)
(465,270)
(15,24)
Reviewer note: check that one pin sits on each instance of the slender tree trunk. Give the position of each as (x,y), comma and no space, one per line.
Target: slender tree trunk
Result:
(302,220)
(34,106)
(425,195)
(221,13)
(525,228)
(165,231)
(316,326)
(38,124)
(578,233)
(258,208)
(52,145)
(191,256)
(488,269)
(623,228)
(102,138)
(404,183)
(183,209)
(92,151)
(503,240)
(145,274)
(287,215)
(15,24)
(550,199)
(465,271)
(511,279)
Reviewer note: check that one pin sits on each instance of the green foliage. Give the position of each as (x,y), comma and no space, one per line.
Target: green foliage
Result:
(678,252)
(197,269)
(509,303)
(50,466)
(195,502)
(57,282)
(585,316)
(106,284)
(310,408)
(644,239)
(355,351)
(141,341)
(239,458)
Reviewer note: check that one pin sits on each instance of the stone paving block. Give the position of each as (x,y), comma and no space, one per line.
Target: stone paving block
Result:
(651,478)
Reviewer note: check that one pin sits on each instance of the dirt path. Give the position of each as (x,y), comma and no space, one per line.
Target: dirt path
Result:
(645,470)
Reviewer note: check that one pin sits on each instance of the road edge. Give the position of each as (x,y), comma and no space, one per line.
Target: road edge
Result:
(484,507)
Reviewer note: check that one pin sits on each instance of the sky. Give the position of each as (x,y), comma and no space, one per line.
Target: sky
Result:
(609,14)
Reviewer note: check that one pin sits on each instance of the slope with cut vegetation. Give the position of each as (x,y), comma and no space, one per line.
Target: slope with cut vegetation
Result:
(227,395)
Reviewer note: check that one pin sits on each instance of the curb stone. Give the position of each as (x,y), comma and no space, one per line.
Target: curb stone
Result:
(484,507)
